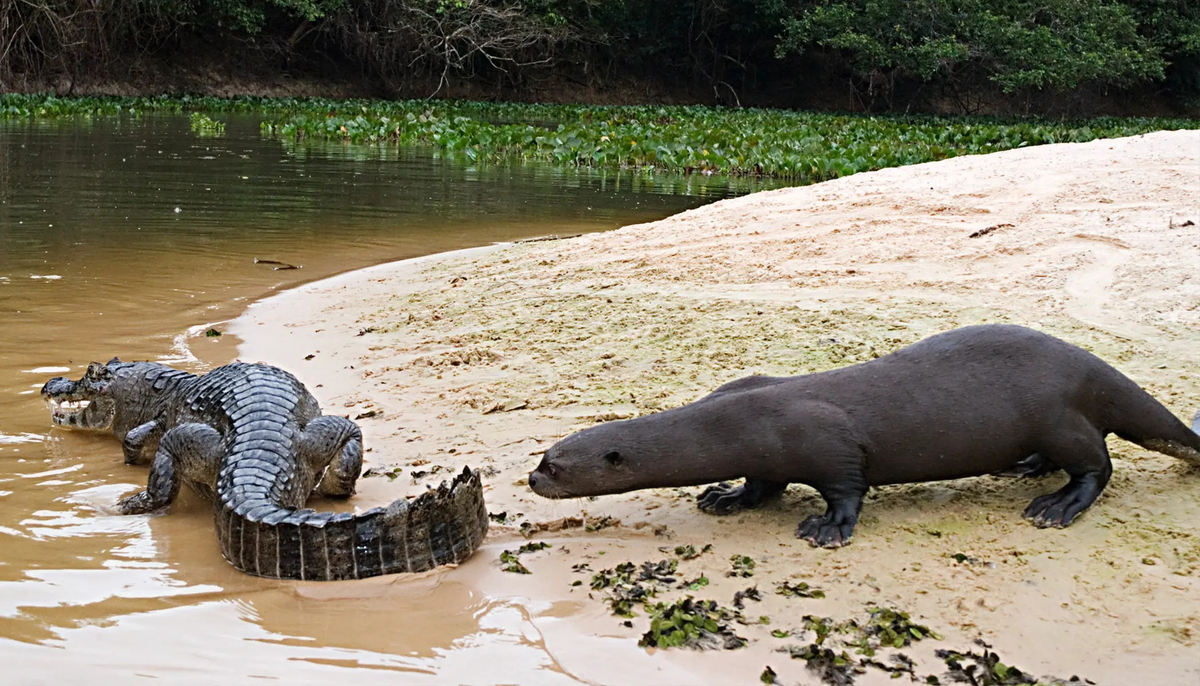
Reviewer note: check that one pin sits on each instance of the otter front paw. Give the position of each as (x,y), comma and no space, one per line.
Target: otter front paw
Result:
(721,499)
(826,531)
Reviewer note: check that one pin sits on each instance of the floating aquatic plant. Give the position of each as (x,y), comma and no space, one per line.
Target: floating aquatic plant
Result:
(801,147)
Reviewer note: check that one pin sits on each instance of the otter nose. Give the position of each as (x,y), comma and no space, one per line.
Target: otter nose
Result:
(533,477)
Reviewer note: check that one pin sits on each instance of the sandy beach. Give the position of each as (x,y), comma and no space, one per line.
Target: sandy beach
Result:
(485,357)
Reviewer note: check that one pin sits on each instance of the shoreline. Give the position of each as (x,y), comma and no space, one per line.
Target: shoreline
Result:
(487,355)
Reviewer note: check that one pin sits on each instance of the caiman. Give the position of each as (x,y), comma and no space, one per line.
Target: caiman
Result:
(251,438)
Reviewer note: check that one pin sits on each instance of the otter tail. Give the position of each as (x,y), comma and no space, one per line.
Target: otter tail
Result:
(1145,421)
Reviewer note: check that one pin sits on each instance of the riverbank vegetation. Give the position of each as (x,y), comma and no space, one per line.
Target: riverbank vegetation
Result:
(800,147)
(967,56)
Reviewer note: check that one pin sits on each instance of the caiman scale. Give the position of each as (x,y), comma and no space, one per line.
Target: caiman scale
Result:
(251,438)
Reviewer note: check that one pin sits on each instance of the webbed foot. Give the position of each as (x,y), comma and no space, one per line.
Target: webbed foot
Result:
(827,530)
(1059,509)
(834,528)
(722,498)
(725,498)
(1029,468)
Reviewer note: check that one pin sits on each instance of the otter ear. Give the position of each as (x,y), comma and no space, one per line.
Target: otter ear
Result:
(613,457)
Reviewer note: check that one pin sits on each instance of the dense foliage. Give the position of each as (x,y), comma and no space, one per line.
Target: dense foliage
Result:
(776,49)
(797,146)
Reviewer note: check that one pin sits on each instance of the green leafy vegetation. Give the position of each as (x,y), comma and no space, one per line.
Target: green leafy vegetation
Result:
(205,126)
(699,624)
(801,590)
(1017,44)
(799,147)
(723,50)
(510,559)
(986,669)
(743,566)
(831,666)
(689,552)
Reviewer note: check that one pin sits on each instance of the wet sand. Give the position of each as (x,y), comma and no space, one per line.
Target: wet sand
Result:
(485,357)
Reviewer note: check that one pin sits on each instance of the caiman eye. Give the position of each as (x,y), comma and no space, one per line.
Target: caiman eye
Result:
(613,458)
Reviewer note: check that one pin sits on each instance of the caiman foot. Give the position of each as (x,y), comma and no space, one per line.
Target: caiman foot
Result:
(138,503)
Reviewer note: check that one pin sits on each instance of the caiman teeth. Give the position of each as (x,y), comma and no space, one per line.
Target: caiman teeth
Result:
(68,405)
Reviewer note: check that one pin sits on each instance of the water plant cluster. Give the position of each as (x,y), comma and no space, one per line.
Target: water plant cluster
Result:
(205,126)
(799,147)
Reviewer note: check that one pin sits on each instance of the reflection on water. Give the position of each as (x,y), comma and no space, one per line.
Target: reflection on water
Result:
(133,238)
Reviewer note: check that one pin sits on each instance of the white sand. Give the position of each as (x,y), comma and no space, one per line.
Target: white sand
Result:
(1089,244)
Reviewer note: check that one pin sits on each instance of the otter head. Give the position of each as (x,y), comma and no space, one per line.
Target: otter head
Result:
(86,403)
(599,460)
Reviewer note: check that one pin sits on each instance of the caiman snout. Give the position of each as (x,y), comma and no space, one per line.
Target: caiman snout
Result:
(76,404)
(58,388)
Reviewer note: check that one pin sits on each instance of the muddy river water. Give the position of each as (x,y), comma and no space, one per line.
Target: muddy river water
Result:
(134,237)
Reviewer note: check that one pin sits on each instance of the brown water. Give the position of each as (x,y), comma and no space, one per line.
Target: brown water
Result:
(132,238)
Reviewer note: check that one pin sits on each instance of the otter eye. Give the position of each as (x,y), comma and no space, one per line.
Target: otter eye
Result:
(614,458)
(552,470)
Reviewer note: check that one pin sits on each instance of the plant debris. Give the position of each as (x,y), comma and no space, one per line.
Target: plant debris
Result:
(832,667)
(740,598)
(892,628)
(743,566)
(390,472)
(510,561)
(279,266)
(987,670)
(510,405)
(687,552)
(801,590)
(768,676)
(695,624)
(901,665)
(662,571)
(990,229)
(212,333)
(598,523)
(368,414)
(623,590)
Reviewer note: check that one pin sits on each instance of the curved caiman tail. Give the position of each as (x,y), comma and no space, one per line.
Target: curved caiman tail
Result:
(438,527)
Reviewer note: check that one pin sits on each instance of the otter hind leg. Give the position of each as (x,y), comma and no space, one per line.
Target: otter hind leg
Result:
(1030,468)
(725,498)
(1079,448)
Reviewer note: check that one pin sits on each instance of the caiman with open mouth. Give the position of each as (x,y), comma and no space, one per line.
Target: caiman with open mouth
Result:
(251,438)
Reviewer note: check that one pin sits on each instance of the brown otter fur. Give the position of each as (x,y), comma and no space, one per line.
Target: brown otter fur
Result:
(968,402)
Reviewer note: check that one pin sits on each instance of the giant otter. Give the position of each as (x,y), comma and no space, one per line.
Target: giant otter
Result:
(968,402)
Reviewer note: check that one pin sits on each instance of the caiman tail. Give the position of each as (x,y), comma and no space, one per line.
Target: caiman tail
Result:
(438,527)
